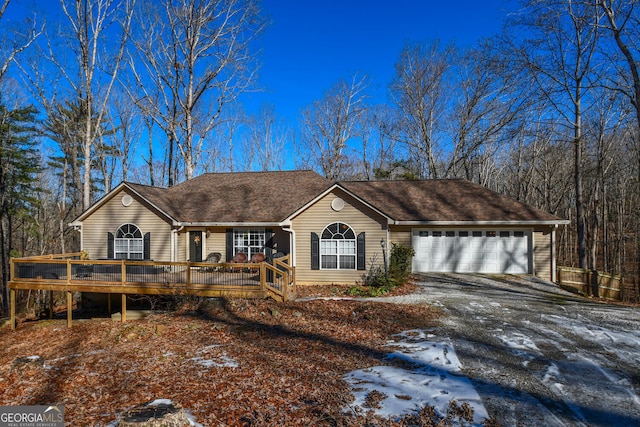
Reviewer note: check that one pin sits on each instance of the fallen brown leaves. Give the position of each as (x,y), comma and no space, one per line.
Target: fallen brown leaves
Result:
(289,357)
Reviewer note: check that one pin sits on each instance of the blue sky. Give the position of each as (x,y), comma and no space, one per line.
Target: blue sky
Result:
(311,45)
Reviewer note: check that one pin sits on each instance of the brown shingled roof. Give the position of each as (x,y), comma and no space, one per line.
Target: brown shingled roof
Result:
(252,197)
(271,197)
(443,200)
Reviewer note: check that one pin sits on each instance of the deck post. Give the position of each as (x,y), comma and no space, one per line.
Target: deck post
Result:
(12,309)
(263,276)
(109,304)
(50,304)
(123,311)
(285,285)
(69,308)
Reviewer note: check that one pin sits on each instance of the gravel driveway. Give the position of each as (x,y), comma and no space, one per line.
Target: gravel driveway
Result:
(538,355)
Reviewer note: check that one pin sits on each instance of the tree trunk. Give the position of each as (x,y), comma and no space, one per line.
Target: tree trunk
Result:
(578,144)
(4,264)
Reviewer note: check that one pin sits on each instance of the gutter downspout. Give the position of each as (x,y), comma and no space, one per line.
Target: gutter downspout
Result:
(292,243)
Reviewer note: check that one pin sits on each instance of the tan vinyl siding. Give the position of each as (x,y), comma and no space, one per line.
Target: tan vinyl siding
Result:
(216,242)
(112,214)
(400,235)
(542,253)
(320,215)
(181,246)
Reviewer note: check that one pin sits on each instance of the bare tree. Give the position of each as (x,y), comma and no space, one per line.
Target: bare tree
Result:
(330,124)
(419,91)
(559,50)
(222,151)
(84,58)
(486,104)
(623,22)
(18,43)
(89,21)
(378,146)
(127,125)
(263,147)
(194,58)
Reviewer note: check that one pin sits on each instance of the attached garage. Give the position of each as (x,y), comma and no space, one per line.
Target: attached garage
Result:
(472,251)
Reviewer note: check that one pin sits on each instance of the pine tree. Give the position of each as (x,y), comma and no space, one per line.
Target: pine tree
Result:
(19,165)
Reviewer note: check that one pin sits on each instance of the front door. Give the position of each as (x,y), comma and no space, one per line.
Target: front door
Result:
(195,246)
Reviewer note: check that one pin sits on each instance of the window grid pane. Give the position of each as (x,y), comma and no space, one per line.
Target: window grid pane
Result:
(128,243)
(338,247)
(249,241)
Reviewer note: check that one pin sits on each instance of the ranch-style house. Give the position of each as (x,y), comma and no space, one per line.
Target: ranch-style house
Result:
(331,231)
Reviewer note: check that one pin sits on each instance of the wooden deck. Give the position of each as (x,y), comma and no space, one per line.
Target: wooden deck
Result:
(70,274)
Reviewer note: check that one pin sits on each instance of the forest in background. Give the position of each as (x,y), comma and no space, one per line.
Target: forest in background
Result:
(147,91)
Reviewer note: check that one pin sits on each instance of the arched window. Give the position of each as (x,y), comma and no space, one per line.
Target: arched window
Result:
(338,247)
(128,243)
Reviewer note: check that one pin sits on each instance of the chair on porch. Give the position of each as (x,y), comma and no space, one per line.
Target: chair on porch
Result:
(212,258)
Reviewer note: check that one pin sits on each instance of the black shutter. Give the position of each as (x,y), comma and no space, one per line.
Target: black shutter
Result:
(360,244)
(229,244)
(268,244)
(146,254)
(110,240)
(315,252)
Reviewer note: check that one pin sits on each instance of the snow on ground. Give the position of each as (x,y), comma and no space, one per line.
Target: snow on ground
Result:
(208,360)
(428,372)
(214,361)
(538,355)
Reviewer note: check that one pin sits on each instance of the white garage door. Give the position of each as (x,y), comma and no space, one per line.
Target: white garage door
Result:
(471,251)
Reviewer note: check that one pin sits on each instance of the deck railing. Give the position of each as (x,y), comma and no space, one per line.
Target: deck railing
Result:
(69,272)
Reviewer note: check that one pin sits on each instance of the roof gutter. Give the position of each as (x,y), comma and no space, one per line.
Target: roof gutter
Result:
(227,224)
(481,223)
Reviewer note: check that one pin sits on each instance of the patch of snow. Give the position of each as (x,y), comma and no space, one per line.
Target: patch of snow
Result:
(430,375)
(213,361)
(520,344)
(160,402)
(218,362)
(192,419)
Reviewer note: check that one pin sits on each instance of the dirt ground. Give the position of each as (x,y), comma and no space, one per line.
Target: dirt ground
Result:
(538,355)
(232,362)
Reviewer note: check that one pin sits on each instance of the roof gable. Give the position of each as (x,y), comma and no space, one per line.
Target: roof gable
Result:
(237,197)
(144,193)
